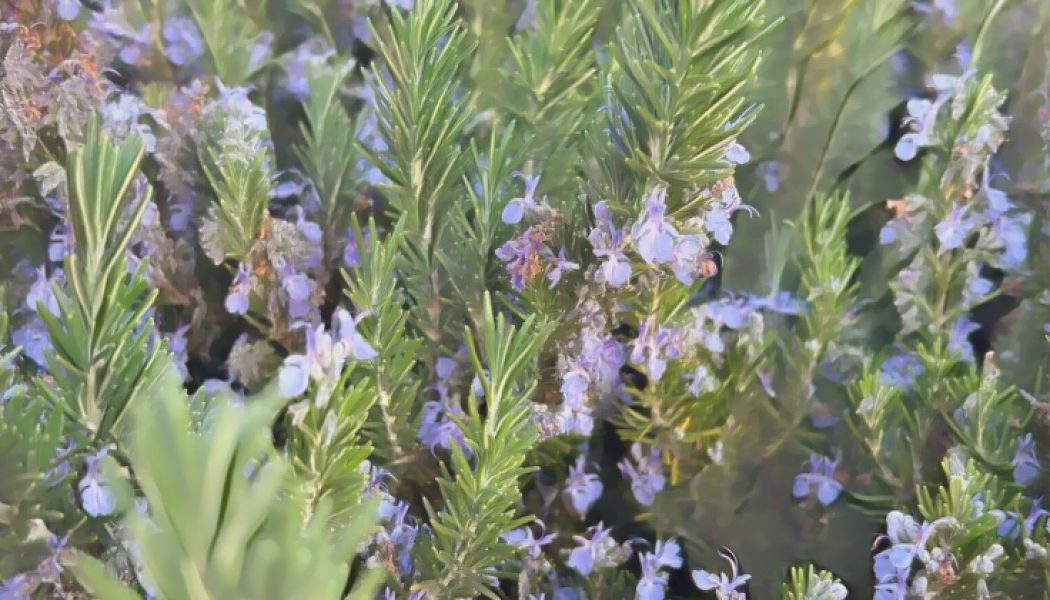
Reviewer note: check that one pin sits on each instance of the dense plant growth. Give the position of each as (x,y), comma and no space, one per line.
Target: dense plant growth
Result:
(524,298)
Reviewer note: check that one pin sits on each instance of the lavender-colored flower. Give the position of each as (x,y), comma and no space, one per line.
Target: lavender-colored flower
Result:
(525,539)
(524,255)
(237,298)
(608,241)
(955,228)
(582,489)
(1025,461)
(182,40)
(652,585)
(1012,231)
(725,587)
(685,258)
(770,171)
(921,119)
(702,381)
(68,10)
(309,54)
(61,242)
(436,428)
(575,415)
(819,478)
(34,339)
(397,538)
(517,208)
(652,347)
(652,234)
(958,340)
(600,551)
(645,473)
(95,494)
(19,587)
(900,370)
(783,303)
(738,154)
(346,330)
(558,266)
(402,4)
(1008,526)
(261,50)
(41,293)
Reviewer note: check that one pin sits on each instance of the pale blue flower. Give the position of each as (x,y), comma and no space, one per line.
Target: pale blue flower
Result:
(558,266)
(738,154)
(725,587)
(652,584)
(653,235)
(517,208)
(600,551)
(347,333)
(95,495)
(237,299)
(582,489)
(68,10)
(955,228)
(958,339)
(900,370)
(182,40)
(645,473)
(526,540)
(1026,461)
(819,479)
(608,241)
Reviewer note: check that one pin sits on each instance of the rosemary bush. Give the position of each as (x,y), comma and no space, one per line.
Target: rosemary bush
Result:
(524,298)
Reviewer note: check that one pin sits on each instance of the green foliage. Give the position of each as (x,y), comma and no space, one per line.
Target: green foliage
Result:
(237,49)
(422,113)
(104,357)
(30,437)
(224,518)
(480,499)
(673,101)
(329,151)
(826,85)
(373,287)
(813,584)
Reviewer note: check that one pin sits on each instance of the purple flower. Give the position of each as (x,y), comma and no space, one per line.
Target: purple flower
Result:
(645,473)
(41,293)
(398,537)
(954,229)
(770,171)
(34,339)
(1012,231)
(725,586)
(820,478)
(958,340)
(95,495)
(436,428)
(921,119)
(652,585)
(653,236)
(1025,461)
(309,54)
(525,539)
(575,415)
(19,587)
(351,251)
(685,258)
(900,370)
(524,255)
(582,489)
(346,331)
(738,154)
(608,242)
(182,40)
(600,551)
(782,303)
(61,242)
(558,266)
(516,209)
(237,298)
(1008,528)
(652,348)
(67,10)
(702,382)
